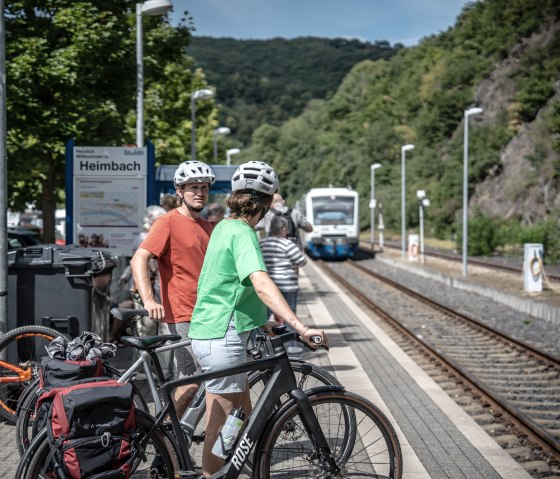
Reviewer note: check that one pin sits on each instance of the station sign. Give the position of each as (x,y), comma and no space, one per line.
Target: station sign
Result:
(109,196)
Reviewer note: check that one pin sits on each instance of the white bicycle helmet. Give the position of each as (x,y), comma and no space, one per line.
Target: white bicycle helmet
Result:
(193,172)
(257,176)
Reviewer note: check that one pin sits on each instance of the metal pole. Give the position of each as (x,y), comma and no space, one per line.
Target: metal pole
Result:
(139,79)
(465,191)
(3,180)
(421,232)
(371,208)
(215,146)
(193,128)
(403,226)
(381,227)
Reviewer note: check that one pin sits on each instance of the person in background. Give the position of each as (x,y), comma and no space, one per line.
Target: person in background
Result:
(282,258)
(216,213)
(169,202)
(296,220)
(234,291)
(178,240)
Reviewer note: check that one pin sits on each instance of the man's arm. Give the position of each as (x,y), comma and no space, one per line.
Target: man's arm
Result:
(139,264)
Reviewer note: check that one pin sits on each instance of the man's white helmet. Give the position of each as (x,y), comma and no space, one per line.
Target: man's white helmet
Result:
(193,172)
(257,176)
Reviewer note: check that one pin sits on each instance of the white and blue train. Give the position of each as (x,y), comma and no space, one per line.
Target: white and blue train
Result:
(334,214)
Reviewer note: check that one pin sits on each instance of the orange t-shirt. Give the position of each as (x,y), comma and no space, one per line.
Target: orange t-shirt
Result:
(179,243)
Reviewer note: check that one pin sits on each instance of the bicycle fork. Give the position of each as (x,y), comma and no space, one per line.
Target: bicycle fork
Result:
(313,429)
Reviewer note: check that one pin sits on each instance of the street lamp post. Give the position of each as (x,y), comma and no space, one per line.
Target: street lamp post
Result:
(152,8)
(423,202)
(374,167)
(404,149)
(223,130)
(232,151)
(204,94)
(468,113)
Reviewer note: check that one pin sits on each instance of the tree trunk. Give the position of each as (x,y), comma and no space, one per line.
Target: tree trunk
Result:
(49,203)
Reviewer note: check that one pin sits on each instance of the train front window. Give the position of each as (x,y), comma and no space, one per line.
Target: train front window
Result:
(333,210)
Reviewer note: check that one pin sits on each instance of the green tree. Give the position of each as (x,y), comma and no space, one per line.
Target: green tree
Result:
(71,74)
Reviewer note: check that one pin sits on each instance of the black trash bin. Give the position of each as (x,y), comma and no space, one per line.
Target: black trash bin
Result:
(64,287)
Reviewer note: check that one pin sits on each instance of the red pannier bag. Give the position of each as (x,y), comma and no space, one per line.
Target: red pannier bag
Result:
(56,373)
(90,430)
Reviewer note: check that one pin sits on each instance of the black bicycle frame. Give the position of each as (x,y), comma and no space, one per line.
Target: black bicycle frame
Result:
(282,381)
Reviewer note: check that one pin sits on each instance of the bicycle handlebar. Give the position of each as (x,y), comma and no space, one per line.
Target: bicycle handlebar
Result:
(126,314)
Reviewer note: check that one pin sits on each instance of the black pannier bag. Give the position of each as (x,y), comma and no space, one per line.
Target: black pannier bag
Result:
(90,430)
(56,373)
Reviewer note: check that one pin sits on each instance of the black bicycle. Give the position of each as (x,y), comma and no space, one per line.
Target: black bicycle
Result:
(324,432)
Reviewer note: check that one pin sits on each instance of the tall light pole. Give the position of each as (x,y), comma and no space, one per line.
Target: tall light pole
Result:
(423,202)
(152,8)
(204,94)
(468,113)
(222,130)
(404,149)
(374,167)
(232,151)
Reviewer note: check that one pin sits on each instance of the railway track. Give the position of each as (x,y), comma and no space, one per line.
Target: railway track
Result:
(491,263)
(514,388)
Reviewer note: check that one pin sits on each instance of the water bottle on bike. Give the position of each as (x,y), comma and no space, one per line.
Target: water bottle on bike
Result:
(228,435)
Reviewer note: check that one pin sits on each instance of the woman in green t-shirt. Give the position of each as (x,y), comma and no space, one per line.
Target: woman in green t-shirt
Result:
(234,291)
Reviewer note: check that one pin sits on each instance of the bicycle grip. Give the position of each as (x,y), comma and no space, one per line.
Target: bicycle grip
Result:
(319,341)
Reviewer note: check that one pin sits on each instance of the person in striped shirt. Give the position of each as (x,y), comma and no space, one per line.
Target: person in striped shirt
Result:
(282,258)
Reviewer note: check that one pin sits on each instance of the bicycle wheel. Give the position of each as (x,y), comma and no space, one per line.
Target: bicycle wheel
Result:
(371,449)
(157,459)
(21,351)
(26,411)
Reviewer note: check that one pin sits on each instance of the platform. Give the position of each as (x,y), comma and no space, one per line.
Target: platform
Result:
(438,439)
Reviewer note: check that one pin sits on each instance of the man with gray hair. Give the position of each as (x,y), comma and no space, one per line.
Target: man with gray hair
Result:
(295,218)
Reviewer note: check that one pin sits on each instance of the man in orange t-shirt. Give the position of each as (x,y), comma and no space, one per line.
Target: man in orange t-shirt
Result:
(178,240)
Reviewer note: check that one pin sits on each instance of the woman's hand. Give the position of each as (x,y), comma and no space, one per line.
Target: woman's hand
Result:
(312,332)
(271,323)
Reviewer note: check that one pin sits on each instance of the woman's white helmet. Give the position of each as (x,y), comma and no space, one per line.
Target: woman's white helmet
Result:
(257,176)
(193,171)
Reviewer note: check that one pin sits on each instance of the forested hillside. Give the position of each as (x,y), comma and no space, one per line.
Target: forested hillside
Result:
(501,56)
(270,81)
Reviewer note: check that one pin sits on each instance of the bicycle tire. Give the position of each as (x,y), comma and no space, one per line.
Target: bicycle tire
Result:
(21,348)
(159,445)
(26,411)
(285,448)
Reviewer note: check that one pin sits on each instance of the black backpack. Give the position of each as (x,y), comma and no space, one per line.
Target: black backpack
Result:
(292,230)
(90,430)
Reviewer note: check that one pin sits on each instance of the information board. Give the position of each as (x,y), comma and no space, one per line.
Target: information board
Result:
(109,196)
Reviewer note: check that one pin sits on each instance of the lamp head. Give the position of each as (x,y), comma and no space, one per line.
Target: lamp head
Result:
(376,166)
(222,130)
(473,111)
(156,7)
(204,94)
(420,194)
(407,147)
(425,202)
(233,151)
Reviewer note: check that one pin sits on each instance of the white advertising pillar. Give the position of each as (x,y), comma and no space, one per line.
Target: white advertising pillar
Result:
(413,247)
(533,267)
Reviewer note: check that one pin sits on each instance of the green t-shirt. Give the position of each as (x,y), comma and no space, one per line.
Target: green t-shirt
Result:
(224,287)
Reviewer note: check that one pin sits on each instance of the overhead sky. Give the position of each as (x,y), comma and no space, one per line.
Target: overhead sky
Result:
(403,21)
